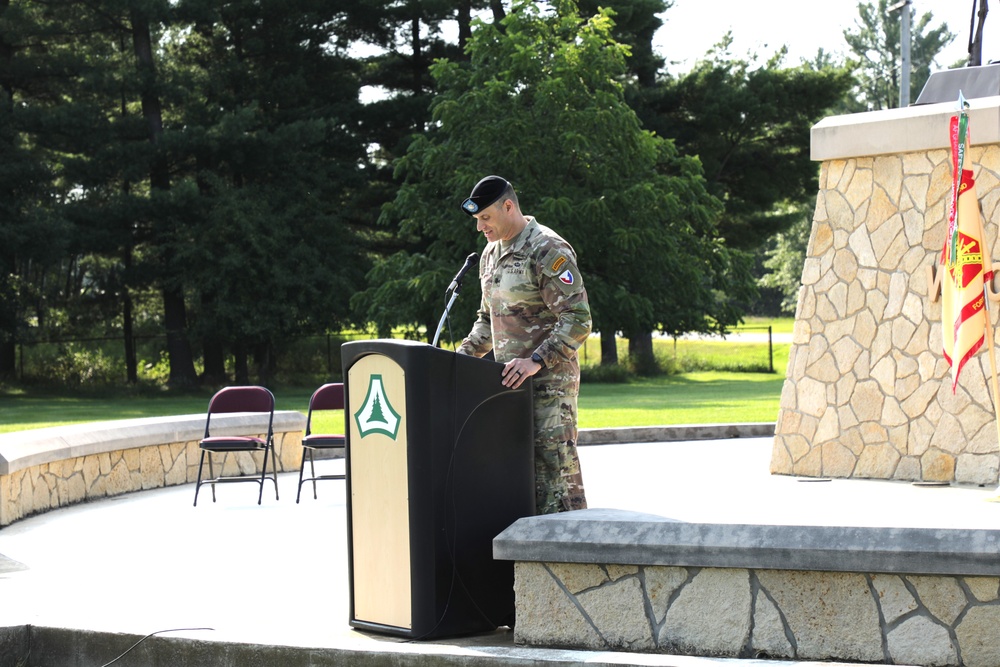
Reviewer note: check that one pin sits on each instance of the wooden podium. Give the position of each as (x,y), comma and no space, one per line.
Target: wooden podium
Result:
(439,462)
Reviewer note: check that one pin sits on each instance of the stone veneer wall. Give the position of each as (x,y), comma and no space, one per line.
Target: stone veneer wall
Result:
(756,613)
(72,476)
(45,469)
(868,391)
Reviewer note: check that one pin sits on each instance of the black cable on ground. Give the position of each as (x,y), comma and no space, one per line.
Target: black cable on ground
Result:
(130,648)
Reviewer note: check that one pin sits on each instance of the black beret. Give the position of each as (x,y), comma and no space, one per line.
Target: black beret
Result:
(486,192)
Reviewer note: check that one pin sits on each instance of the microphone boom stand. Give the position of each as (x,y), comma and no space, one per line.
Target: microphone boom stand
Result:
(447,311)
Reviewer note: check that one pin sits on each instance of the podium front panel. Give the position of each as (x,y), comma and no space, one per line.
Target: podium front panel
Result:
(379,492)
(440,460)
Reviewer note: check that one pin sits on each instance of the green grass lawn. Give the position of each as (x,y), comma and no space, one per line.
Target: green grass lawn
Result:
(693,397)
(690,398)
(778,325)
(20,410)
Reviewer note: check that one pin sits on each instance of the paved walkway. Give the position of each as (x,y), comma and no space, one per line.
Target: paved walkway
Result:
(276,574)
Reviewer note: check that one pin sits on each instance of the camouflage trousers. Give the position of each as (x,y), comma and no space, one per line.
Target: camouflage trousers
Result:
(558,479)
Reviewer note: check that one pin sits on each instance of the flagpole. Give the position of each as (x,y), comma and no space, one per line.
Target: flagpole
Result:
(958,254)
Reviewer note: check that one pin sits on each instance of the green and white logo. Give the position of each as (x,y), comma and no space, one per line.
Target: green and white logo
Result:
(377,414)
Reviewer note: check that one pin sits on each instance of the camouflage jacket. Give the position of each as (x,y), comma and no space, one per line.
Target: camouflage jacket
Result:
(533,301)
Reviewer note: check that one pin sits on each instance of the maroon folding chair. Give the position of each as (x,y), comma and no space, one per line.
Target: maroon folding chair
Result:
(244,400)
(328,397)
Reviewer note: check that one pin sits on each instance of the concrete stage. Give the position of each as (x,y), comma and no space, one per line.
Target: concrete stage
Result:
(233,583)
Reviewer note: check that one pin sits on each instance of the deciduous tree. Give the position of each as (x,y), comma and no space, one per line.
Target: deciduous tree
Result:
(541,102)
(749,123)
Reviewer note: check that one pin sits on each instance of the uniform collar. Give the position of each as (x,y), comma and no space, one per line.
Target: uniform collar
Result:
(518,242)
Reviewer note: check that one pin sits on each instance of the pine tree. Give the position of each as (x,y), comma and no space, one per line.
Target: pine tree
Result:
(272,160)
(376,415)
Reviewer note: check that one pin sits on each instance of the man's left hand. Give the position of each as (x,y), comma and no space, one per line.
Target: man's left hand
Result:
(516,371)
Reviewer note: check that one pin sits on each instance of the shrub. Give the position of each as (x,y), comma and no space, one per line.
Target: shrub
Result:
(606,374)
(73,365)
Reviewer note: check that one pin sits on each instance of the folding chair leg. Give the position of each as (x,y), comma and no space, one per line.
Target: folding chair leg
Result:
(263,474)
(211,472)
(274,470)
(197,486)
(312,471)
(302,469)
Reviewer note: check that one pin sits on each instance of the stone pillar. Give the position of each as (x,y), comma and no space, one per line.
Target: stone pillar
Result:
(868,392)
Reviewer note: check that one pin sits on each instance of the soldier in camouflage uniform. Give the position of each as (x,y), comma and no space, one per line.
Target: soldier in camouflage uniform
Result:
(534,316)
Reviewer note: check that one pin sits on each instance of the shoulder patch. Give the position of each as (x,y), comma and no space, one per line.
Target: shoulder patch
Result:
(559,266)
(556,260)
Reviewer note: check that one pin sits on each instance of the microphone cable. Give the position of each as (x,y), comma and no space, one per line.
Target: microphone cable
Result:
(158,632)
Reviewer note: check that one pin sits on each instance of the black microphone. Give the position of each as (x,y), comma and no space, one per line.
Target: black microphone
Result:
(457,280)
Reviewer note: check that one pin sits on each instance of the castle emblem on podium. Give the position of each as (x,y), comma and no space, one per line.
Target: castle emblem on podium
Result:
(376,414)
